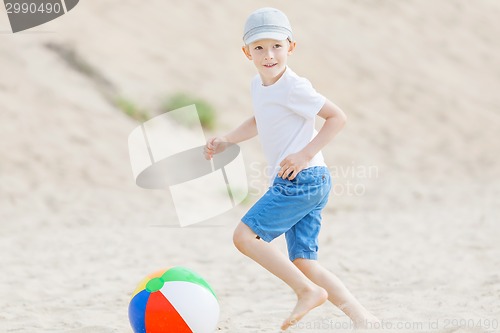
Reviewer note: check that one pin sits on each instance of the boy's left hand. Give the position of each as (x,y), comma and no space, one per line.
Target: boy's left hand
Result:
(292,165)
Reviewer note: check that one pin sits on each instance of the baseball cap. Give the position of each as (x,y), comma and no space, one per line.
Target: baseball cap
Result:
(267,23)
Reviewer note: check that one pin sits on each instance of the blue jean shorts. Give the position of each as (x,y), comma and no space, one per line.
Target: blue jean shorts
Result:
(293,207)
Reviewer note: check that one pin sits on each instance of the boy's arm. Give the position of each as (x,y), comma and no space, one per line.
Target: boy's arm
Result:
(335,120)
(215,145)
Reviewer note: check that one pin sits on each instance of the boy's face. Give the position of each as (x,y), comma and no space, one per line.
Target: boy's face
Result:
(269,57)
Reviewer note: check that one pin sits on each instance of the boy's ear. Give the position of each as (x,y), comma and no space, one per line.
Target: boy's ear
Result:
(246,50)
(291,47)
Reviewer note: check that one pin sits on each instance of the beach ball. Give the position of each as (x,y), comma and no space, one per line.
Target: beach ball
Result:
(174,300)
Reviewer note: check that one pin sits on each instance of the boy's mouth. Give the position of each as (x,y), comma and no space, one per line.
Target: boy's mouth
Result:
(270,65)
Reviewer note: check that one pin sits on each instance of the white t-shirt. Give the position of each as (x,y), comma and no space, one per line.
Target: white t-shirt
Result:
(285,113)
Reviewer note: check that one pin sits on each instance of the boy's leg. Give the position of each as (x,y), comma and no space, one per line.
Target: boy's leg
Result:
(338,294)
(268,256)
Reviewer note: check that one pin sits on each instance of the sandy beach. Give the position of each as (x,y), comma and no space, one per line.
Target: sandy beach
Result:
(412,225)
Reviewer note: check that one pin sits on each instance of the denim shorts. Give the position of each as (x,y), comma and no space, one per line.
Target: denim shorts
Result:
(293,207)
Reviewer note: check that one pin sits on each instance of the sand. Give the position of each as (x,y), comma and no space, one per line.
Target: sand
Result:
(412,224)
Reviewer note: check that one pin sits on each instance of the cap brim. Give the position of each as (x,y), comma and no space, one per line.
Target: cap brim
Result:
(266,35)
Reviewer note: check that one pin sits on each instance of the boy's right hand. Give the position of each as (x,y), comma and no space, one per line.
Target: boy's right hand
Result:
(214,146)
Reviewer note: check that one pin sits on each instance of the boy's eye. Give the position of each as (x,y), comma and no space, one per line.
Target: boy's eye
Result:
(277,46)
(258,48)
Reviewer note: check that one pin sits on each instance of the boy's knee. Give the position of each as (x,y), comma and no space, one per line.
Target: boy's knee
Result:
(242,236)
(299,262)
(304,264)
(237,238)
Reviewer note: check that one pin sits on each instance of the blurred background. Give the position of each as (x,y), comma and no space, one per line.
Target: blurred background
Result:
(413,217)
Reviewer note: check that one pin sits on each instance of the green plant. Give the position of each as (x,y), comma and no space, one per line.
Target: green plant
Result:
(130,109)
(206,112)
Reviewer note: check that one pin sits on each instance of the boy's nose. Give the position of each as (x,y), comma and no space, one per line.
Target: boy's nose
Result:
(269,55)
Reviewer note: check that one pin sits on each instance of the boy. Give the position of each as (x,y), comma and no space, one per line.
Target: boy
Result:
(285,106)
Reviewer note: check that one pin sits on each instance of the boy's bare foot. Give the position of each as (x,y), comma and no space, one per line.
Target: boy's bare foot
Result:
(307,300)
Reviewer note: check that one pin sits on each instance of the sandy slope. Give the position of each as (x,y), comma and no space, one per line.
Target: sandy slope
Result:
(411,227)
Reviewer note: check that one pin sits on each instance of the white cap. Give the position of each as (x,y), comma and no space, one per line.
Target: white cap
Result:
(267,23)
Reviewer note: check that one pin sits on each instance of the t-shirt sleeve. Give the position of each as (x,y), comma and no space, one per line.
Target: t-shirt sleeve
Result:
(304,100)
